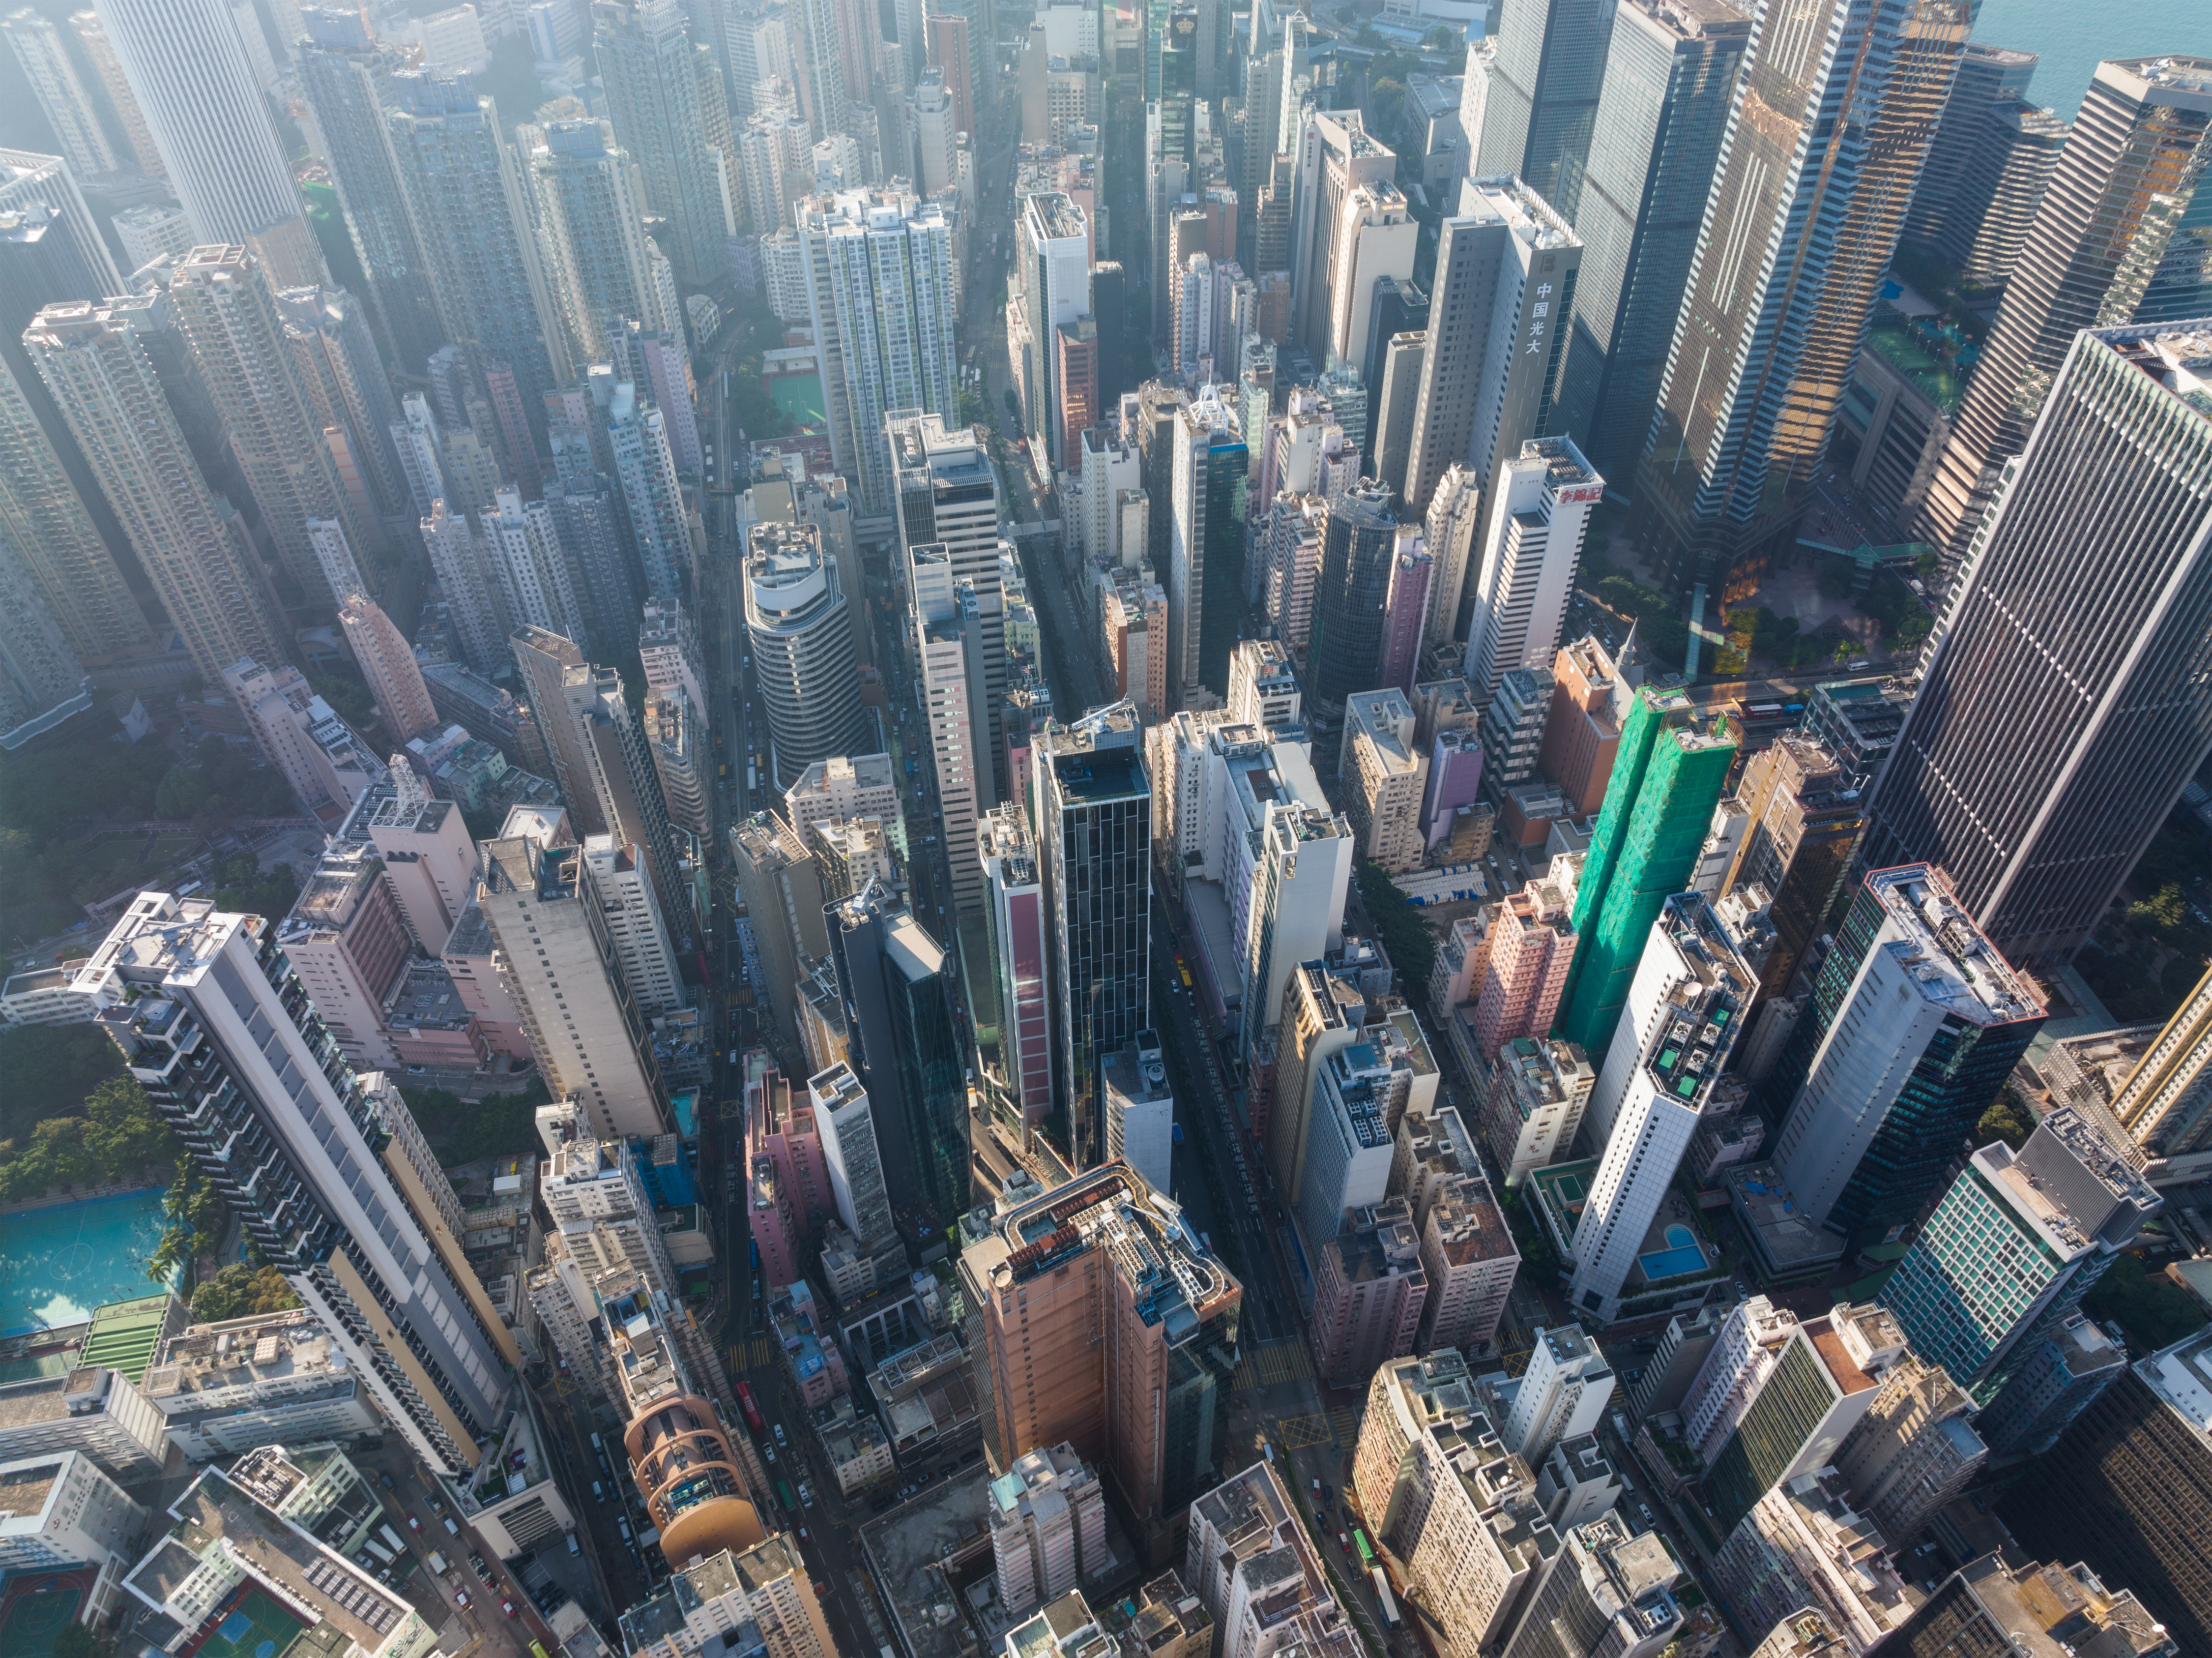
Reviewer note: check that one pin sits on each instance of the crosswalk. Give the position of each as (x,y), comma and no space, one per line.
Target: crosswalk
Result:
(1267,1364)
(753,1353)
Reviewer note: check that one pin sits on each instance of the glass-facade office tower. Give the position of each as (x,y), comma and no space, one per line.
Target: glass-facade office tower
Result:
(2118,238)
(2067,699)
(2016,1242)
(1668,77)
(1666,774)
(1915,1023)
(1349,595)
(895,980)
(1540,108)
(1833,111)
(1206,518)
(221,1034)
(1093,809)
(187,63)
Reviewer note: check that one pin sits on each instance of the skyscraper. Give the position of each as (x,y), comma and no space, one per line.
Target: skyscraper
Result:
(388,666)
(224,303)
(1209,465)
(1507,268)
(2108,248)
(595,234)
(1541,100)
(1015,908)
(619,759)
(543,659)
(348,396)
(459,177)
(895,981)
(1540,505)
(948,496)
(187,64)
(1054,240)
(2015,1243)
(644,469)
(97,370)
(45,523)
(1775,308)
(2165,1103)
(100,51)
(949,652)
(1669,73)
(1873,1104)
(547,915)
(1092,807)
(62,98)
(647,59)
(884,295)
(1805,823)
(524,548)
(1333,155)
(1115,1331)
(1988,76)
(1666,774)
(1350,595)
(1663,1072)
(236,1059)
(802,645)
(345,74)
(2063,707)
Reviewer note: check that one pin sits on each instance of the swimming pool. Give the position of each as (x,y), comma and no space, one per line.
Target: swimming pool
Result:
(58,1264)
(1681,1255)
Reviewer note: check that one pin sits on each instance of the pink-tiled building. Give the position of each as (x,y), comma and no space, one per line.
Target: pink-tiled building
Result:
(1469,1258)
(1532,945)
(1369,1293)
(788,1181)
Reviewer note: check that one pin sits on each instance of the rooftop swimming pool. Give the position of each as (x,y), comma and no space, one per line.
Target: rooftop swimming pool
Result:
(1681,1255)
(58,1264)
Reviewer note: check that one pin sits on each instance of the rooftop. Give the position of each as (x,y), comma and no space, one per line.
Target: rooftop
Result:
(1946,953)
(425,1000)
(1528,214)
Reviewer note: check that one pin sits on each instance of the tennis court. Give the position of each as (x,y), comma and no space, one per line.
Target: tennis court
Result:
(33,1621)
(256,1627)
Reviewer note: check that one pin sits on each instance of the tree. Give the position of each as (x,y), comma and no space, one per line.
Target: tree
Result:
(76,1641)
(123,1130)
(2007,1119)
(240,1290)
(49,1071)
(181,794)
(194,1211)
(1405,934)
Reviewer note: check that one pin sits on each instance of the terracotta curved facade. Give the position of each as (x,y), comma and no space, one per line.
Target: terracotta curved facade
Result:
(685,1469)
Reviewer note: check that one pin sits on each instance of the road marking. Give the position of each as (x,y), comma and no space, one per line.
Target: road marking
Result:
(1297,1433)
(1269,1363)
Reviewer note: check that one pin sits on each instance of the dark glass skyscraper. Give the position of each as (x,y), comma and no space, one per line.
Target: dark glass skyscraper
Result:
(1668,77)
(2067,696)
(1833,111)
(1540,108)
(1352,594)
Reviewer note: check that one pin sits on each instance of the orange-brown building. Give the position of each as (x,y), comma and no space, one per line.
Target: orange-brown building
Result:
(1107,1324)
(1582,730)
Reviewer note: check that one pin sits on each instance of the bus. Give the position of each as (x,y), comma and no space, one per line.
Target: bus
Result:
(537,1651)
(1382,1598)
(783,1495)
(754,1244)
(750,781)
(1366,1554)
(752,1411)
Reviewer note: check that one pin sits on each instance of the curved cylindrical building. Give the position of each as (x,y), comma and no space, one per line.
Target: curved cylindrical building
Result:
(1351,595)
(802,643)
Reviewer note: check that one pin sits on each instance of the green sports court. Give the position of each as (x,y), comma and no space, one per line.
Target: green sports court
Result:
(33,1617)
(254,1627)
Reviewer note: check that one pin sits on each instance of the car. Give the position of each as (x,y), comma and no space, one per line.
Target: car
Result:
(460,1597)
(484,1572)
(802,1537)
(806,1496)
(507,1606)
(476,1560)
(779,1439)
(1344,1541)
(769,1450)
(413,1524)
(1316,1486)
(387,1479)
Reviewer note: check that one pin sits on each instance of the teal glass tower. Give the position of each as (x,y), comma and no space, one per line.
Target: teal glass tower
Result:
(1667,774)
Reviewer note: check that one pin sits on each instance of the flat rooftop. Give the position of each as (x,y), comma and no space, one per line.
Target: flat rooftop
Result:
(1945,953)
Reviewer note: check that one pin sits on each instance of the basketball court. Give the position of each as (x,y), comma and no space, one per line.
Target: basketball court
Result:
(254,1626)
(38,1608)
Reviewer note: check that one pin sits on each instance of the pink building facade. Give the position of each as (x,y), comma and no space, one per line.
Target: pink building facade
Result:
(1532,945)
